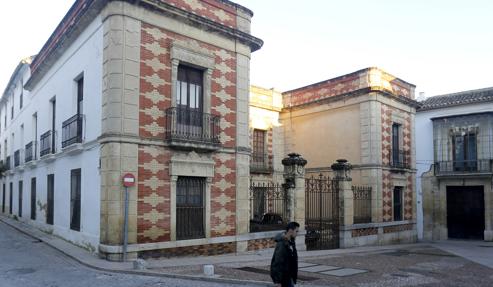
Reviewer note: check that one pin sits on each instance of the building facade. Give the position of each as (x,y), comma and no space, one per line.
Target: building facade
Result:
(455,153)
(367,118)
(157,89)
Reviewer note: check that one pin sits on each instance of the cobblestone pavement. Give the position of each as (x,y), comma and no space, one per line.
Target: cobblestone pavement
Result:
(411,266)
(27,262)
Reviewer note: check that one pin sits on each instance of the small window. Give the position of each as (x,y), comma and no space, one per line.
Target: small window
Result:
(33,198)
(20,198)
(397,203)
(75,189)
(190,192)
(50,209)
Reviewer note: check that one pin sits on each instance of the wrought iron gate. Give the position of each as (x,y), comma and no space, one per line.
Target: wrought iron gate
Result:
(321,213)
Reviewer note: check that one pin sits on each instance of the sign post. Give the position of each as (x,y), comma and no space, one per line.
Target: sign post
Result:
(128,181)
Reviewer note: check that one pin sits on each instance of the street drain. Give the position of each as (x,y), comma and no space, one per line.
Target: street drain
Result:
(37,241)
(263,271)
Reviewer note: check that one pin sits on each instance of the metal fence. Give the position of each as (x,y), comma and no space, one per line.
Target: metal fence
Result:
(268,206)
(321,212)
(362,204)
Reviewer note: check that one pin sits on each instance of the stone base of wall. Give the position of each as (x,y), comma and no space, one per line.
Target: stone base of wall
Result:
(378,234)
(259,244)
(198,250)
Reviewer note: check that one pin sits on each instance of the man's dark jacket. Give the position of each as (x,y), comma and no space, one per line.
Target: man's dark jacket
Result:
(284,264)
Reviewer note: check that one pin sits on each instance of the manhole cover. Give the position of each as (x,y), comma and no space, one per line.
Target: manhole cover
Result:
(21,271)
(263,271)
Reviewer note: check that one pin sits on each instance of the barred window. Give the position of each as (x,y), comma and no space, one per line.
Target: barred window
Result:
(190,193)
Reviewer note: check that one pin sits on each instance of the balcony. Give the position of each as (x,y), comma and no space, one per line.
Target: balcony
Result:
(72,130)
(464,167)
(17,158)
(400,159)
(30,152)
(187,129)
(259,163)
(46,146)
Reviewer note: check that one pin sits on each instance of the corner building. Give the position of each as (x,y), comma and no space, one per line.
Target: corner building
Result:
(165,89)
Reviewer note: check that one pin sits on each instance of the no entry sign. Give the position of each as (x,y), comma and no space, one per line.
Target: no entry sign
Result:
(128,180)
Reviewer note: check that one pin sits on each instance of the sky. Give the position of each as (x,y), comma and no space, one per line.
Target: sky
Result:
(440,46)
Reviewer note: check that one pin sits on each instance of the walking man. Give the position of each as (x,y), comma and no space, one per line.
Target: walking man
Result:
(284,264)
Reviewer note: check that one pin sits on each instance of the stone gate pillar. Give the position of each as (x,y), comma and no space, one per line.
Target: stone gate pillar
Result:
(342,173)
(294,178)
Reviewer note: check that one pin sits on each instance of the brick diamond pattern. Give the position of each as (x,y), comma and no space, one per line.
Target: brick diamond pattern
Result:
(153,205)
(213,10)
(155,98)
(387,187)
(223,194)
(155,83)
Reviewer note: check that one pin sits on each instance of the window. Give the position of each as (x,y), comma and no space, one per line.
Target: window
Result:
(50,198)
(20,198)
(3,198)
(12,111)
(465,152)
(21,97)
(190,208)
(396,144)
(75,189)
(80,95)
(35,135)
(33,198)
(258,146)
(397,203)
(53,124)
(189,102)
(11,197)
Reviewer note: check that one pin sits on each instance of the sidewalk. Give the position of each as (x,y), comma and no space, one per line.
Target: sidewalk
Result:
(182,268)
(480,252)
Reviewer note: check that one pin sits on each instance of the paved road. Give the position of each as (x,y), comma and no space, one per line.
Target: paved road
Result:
(26,262)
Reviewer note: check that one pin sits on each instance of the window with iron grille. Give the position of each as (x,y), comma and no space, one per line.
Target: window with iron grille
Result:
(397,203)
(33,198)
(395,143)
(465,153)
(190,193)
(50,199)
(75,190)
(258,146)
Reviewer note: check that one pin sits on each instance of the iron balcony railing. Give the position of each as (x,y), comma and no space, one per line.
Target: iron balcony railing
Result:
(185,125)
(464,167)
(17,158)
(260,163)
(72,130)
(29,152)
(45,142)
(7,163)
(400,159)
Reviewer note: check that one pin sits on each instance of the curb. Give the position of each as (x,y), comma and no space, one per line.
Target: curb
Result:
(133,272)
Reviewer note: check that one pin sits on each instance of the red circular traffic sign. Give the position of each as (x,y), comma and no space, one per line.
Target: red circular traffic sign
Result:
(128,180)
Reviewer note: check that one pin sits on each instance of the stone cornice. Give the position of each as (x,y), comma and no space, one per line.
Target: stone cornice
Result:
(353,94)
